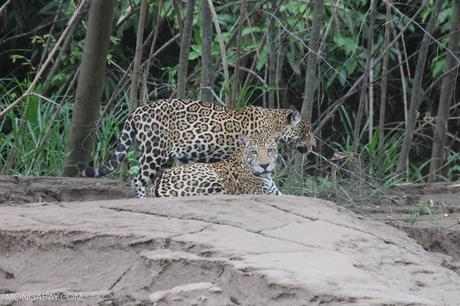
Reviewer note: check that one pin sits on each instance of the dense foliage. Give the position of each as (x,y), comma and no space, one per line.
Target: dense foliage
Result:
(34,134)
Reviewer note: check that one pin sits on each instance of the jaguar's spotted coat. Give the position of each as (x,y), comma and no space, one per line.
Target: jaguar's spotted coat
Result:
(248,171)
(196,131)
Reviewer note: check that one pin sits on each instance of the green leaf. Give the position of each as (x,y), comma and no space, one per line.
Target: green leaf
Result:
(250,30)
(346,42)
(262,59)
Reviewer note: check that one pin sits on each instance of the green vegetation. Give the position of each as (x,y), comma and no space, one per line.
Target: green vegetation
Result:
(33,135)
(423,209)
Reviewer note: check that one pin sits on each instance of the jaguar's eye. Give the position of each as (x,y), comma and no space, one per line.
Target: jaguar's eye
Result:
(253,152)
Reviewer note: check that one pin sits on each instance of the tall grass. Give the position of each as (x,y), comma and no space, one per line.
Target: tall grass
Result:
(37,131)
(349,177)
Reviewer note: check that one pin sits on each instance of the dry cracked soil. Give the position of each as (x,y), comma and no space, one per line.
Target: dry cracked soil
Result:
(88,240)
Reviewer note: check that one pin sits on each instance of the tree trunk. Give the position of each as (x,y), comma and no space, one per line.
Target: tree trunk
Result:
(416,94)
(311,84)
(90,84)
(133,103)
(311,78)
(236,74)
(446,96)
(362,97)
(206,53)
(186,41)
(178,18)
(272,57)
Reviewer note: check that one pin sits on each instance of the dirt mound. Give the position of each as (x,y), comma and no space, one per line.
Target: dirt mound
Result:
(247,250)
(429,213)
(437,231)
(30,189)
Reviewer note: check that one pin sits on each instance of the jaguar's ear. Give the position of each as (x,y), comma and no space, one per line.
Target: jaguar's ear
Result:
(242,140)
(294,117)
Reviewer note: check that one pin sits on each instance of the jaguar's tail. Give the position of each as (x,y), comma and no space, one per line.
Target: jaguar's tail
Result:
(126,140)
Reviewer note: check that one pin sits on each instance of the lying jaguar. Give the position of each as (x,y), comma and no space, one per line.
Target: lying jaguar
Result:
(196,131)
(248,171)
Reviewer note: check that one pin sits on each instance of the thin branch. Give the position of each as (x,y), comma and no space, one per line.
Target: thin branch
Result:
(46,63)
(330,111)
(3,7)
(133,103)
(220,39)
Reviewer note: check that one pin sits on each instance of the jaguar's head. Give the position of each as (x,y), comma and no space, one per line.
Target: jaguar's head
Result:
(297,131)
(260,153)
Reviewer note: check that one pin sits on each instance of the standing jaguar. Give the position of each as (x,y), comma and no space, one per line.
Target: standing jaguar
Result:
(196,131)
(248,171)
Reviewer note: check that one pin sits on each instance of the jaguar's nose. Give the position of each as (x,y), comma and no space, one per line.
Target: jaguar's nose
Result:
(264,166)
(302,149)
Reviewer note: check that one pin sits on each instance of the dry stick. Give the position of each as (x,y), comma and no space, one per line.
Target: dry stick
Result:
(330,111)
(403,79)
(127,74)
(185,43)
(217,64)
(264,95)
(300,40)
(133,103)
(221,45)
(371,102)
(255,60)
(427,33)
(179,18)
(46,63)
(37,29)
(124,18)
(236,73)
(384,81)
(416,93)
(403,43)
(3,7)
(440,78)
(144,94)
(366,79)
(279,70)
(254,73)
(48,39)
(271,69)
(65,46)
(328,27)
(258,52)
(122,84)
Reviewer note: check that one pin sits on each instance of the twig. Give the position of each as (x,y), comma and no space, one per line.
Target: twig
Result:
(133,103)
(4,41)
(330,111)
(454,56)
(46,63)
(156,30)
(220,39)
(236,78)
(3,7)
